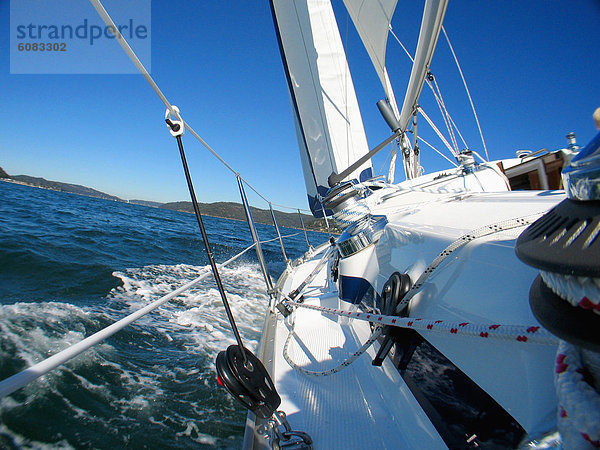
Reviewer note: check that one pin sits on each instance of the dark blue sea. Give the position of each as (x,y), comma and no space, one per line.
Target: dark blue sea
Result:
(71,265)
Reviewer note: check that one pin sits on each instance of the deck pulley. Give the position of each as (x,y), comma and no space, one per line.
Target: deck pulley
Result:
(248,381)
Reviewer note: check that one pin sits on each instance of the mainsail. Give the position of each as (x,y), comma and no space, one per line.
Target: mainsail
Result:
(329,125)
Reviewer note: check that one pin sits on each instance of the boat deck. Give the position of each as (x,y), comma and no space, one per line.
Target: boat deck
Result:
(361,406)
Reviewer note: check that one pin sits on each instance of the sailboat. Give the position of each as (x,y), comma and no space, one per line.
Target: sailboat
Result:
(413,328)
(451,311)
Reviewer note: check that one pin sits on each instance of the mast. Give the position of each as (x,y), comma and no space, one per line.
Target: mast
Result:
(431,25)
(329,125)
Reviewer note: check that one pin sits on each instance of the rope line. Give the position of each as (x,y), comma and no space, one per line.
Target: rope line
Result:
(445,113)
(460,242)
(437,131)
(353,357)
(579,402)
(437,151)
(582,292)
(532,334)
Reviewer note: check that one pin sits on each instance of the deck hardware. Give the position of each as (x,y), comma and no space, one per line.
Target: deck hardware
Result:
(247,381)
(361,235)
(286,438)
(564,245)
(284,309)
(394,290)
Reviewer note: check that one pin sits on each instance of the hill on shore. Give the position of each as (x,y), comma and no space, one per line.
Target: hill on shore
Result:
(225,210)
(231,210)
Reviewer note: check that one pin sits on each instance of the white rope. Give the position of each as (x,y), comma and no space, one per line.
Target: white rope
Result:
(17,381)
(353,357)
(532,334)
(579,404)
(460,242)
(582,292)
(468,93)
(351,214)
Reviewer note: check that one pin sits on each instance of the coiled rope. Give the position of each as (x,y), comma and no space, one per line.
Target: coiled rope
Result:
(579,404)
(353,357)
(582,292)
(577,370)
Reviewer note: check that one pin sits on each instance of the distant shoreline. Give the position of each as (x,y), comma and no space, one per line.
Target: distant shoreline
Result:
(220,210)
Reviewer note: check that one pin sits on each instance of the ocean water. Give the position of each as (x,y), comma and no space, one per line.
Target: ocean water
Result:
(71,265)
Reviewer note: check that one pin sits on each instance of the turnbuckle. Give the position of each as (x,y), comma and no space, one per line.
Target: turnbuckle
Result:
(281,436)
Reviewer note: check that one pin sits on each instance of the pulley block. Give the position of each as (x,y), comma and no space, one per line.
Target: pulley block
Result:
(247,380)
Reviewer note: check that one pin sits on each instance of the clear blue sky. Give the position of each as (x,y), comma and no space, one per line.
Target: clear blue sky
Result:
(533,68)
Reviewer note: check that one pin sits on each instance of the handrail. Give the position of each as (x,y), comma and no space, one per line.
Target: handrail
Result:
(22,378)
(304,228)
(26,376)
(278,233)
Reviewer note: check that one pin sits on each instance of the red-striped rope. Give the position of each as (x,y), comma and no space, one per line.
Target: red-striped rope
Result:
(531,334)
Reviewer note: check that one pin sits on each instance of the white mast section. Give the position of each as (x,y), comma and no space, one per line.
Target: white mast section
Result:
(431,25)
(372,20)
(329,125)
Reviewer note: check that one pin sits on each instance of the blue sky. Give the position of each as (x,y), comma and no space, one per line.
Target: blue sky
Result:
(533,69)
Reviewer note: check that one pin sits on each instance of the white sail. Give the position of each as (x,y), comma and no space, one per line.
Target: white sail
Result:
(329,126)
(372,20)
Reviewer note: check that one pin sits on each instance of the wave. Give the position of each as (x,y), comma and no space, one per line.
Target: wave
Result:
(152,382)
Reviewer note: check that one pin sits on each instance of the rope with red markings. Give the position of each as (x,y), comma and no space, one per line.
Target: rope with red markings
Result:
(579,403)
(531,334)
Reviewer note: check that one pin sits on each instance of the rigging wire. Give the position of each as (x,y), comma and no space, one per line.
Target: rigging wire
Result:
(438,99)
(445,113)
(468,92)
(177,132)
(142,69)
(450,124)
(437,151)
(438,132)
(26,376)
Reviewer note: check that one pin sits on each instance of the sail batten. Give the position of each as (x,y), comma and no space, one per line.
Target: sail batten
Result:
(330,131)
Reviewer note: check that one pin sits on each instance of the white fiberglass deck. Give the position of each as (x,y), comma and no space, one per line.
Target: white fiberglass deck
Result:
(361,406)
